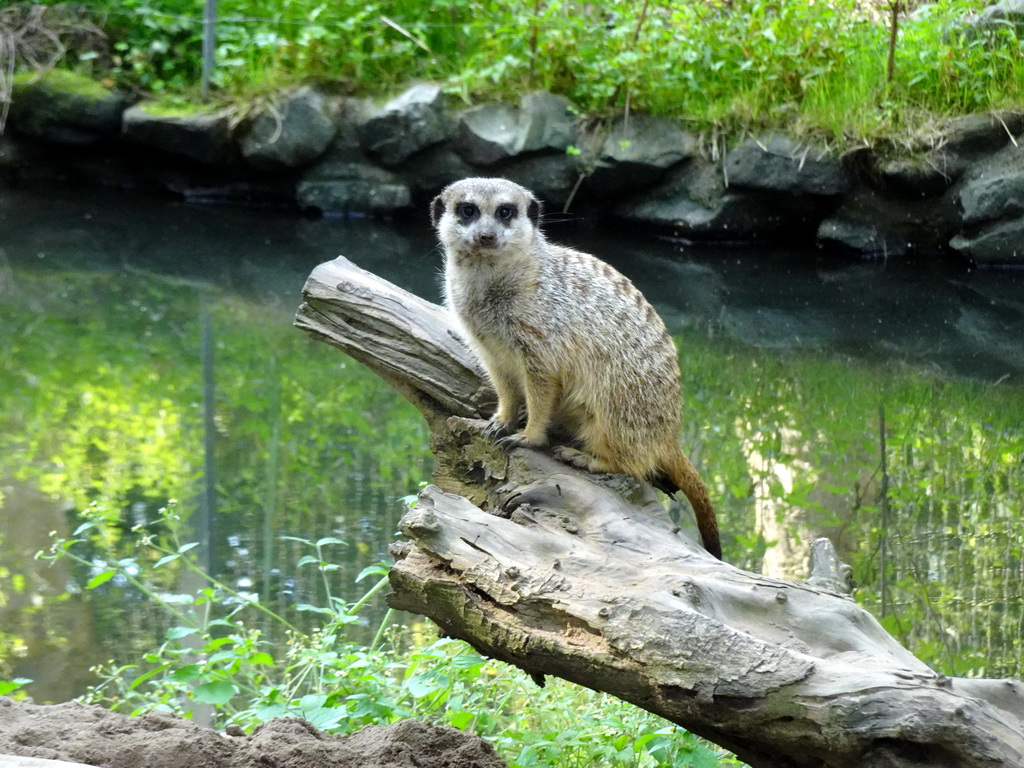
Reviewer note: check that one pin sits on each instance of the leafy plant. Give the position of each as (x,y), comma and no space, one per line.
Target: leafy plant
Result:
(812,66)
(211,655)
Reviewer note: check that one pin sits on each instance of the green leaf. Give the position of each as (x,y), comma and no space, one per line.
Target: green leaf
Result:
(185,674)
(419,686)
(261,658)
(148,675)
(326,717)
(312,701)
(217,693)
(186,547)
(377,569)
(6,686)
(101,578)
(329,540)
(166,559)
(176,633)
(308,559)
(266,712)
(313,608)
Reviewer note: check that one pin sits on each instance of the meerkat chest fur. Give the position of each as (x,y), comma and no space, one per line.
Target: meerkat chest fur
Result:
(492,265)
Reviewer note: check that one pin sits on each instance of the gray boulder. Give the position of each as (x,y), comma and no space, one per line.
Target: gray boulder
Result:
(928,174)
(636,152)
(65,108)
(547,122)
(861,236)
(992,197)
(991,188)
(974,136)
(205,138)
(406,125)
(490,133)
(290,133)
(777,163)
(434,168)
(870,223)
(692,203)
(932,169)
(343,187)
(993,17)
(551,177)
(996,244)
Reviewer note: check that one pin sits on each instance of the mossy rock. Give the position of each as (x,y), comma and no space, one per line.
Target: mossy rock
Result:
(203,135)
(171,107)
(64,107)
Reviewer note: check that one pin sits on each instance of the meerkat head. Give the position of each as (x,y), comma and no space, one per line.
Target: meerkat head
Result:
(485,217)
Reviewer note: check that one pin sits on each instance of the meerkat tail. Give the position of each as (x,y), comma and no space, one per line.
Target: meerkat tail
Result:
(680,475)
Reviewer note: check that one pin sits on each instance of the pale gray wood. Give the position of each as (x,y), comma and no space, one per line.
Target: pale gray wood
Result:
(583,576)
(16,761)
(407,341)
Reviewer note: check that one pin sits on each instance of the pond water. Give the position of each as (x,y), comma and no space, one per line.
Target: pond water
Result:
(147,354)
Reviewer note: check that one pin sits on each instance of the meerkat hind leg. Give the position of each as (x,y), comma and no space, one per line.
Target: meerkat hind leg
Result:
(580,459)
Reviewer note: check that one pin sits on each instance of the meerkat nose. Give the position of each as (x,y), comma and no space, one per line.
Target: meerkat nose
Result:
(486,239)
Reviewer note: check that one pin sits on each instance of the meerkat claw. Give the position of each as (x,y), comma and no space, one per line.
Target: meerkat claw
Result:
(498,429)
(510,442)
(518,440)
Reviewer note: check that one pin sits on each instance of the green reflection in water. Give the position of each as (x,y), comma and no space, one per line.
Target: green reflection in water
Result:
(102,401)
(792,446)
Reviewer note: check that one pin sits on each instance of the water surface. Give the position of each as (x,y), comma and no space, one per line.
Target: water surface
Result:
(790,359)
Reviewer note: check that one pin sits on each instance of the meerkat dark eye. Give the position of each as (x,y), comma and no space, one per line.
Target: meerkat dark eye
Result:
(466,211)
(506,212)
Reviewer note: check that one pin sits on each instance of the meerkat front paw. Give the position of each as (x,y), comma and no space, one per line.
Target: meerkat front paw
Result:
(518,440)
(497,429)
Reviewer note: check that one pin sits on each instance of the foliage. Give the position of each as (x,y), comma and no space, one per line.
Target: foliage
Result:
(102,402)
(936,550)
(212,655)
(101,383)
(810,65)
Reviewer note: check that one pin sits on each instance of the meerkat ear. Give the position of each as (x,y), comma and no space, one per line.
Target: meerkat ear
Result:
(534,211)
(436,210)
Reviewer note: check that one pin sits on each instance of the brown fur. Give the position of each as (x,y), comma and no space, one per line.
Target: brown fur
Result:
(566,339)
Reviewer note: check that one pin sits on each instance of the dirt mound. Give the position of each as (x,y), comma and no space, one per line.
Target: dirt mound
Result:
(95,736)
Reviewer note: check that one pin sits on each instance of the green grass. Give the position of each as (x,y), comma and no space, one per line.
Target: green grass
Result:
(816,68)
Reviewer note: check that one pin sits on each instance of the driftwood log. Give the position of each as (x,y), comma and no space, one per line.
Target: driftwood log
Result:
(584,577)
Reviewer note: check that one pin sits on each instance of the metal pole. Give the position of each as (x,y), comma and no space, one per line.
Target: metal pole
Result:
(209,44)
(206,525)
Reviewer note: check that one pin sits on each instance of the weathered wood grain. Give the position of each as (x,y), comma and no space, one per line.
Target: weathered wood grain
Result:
(583,576)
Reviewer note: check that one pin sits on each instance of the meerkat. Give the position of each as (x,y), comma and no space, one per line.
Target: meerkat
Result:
(567,341)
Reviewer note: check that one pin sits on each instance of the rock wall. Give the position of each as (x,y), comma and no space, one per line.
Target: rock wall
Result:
(962,193)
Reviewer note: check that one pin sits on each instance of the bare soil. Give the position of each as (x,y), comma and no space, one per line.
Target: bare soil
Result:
(95,736)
